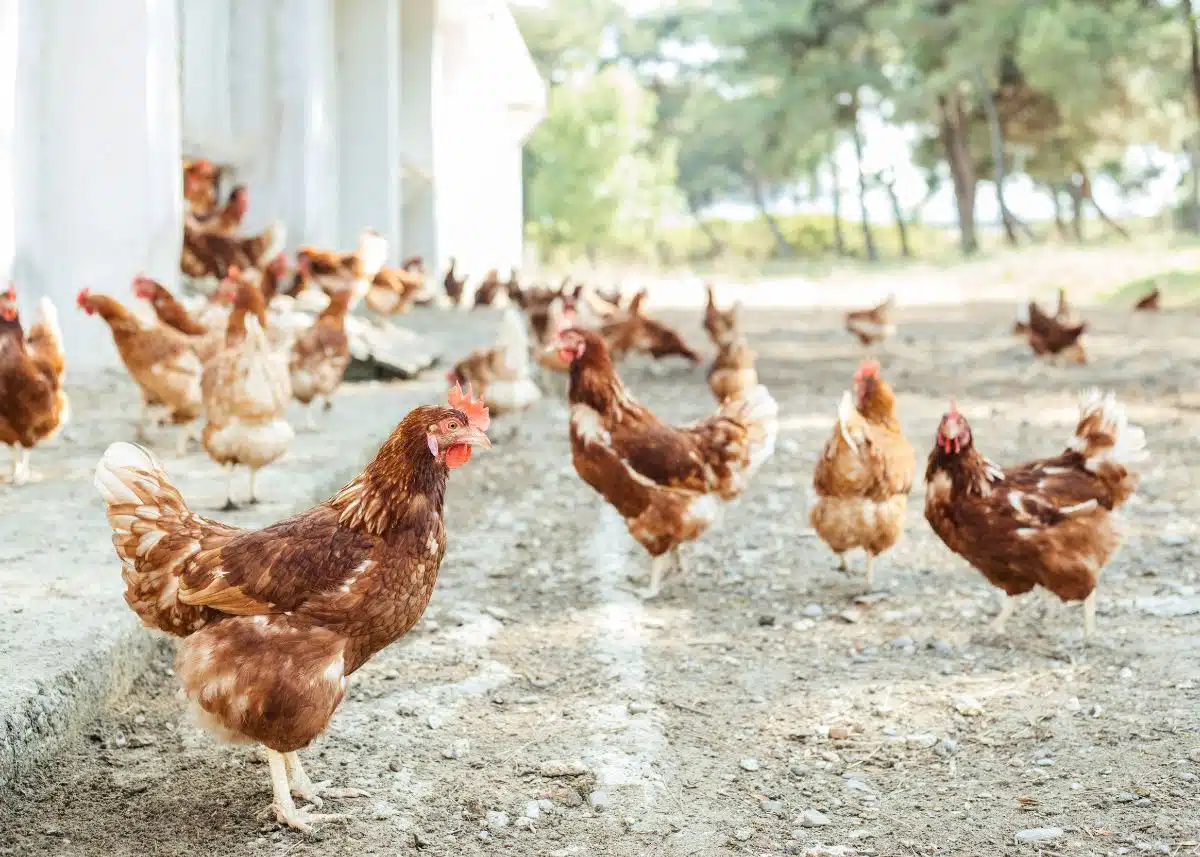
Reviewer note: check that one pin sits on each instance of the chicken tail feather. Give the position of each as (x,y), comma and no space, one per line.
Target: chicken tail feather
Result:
(154,534)
(1108,442)
(759,412)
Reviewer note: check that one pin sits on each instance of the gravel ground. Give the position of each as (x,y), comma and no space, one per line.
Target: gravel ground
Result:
(763,706)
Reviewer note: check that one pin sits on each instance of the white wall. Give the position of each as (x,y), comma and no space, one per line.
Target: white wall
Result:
(9,23)
(368,93)
(97,155)
(420,84)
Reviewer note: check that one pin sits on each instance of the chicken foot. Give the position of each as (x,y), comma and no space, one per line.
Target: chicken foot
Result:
(660,568)
(283,806)
(1006,610)
(310,420)
(21,472)
(230,506)
(253,478)
(304,788)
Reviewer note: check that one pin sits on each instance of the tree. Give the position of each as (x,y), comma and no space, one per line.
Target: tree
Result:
(596,183)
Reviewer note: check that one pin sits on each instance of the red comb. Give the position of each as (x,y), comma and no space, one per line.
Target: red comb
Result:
(83,295)
(475,409)
(867,369)
(953,408)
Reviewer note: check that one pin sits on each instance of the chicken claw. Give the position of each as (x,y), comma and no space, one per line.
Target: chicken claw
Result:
(283,806)
(305,789)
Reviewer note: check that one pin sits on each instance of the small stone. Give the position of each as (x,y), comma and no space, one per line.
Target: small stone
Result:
(924,740)
(772,807)
(638,707)
(1072,703)
(814,818)
(743,834)
(1125,797)
(484,835)
(1039,834)
(533,810)
(904,643)
(813,611)
(598,800)
(396,765)
(749,764)
(545,804)
(850,616)
(1045,763)
(859,786)
(382,811)
(942,648)
(766,621)
(261,840)
(839,733)
(406,710)
(947,747)
(1143,802)
(1194,754)
(968,706)
(1173,540)
(523,823)
(798,771)
(434,721)
(562,768)
(139,719)
(458,750)
(496,820)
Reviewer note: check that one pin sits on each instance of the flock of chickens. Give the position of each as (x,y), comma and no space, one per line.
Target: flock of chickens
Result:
(274,621)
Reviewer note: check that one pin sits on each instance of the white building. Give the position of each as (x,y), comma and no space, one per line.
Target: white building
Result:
(405,116)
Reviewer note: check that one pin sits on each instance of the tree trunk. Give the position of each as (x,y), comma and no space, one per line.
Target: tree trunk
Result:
(839,237)
(1056,201)
(1085,192)
(715,245)
(1193,219)
(996,138)
(889,185)
(783,247)
(1076,211)
(863,187)
(952,129)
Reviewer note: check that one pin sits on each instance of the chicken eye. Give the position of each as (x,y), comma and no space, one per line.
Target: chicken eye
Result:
(452,425)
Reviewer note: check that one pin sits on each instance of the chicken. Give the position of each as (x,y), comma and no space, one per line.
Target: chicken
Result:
(275,621)
(1042,523)
(200,179)
(501,373)
(227,220)
(862,480)
(1049,336)
(1021,322)
(212,254)
(33,404)
(335,271)
(873,325)
(161,361)
(320,356)
(490,288)
(453,285)
(393,290)
(246,391)
(1150,301)
(638,332)
(512,287)
(732,373)
(206,337)
(667,482)
(545,324)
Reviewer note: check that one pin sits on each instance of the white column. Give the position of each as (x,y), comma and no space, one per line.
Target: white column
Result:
(9,41)
(256,62)
(368,98)
(103,194)
(205,54)
(421,83)
(307,169)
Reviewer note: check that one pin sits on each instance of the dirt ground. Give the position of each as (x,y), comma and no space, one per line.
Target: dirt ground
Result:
(763,705)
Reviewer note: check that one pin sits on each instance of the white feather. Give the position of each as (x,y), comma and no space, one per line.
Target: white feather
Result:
(1129,441)
(372,253)
(112,477)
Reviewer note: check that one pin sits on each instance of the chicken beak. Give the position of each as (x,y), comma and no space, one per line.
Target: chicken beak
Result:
(475,437)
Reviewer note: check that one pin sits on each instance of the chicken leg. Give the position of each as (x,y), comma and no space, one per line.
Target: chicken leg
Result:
(304,788)
(1006,610)
(658,570)
(253,477)
(1089,615)
(310,420)
(229,506)
(283,806)
(870,572)
(20,465)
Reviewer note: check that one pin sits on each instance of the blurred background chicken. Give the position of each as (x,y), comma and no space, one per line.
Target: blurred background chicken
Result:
(320,356)
(246,391)
(1050,337)
(732,373)
(33,403)
(161,361)
(862,480)
(453,284)
(333,271)
(500,374)
(638,332)
(873,325)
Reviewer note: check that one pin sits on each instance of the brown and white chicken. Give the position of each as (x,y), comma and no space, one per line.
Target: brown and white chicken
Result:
(875,324)
(246,392)
(501,373)
(274,622)
(862,480)
(732,373)
(333,271)
(320,356)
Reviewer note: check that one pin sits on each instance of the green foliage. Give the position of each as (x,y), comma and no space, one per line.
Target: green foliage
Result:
(596,181)
(677,110)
